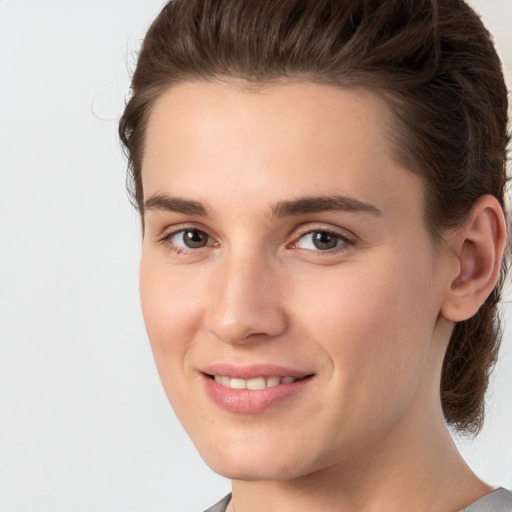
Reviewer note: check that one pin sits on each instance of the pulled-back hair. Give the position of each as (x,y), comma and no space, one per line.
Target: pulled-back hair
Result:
(433,62)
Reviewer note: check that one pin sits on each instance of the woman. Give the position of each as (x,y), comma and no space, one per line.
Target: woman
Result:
(321,187)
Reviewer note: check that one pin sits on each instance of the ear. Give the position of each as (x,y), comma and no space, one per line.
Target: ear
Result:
(478,246)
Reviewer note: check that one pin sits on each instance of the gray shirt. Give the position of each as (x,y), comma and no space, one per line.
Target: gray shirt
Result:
(499,500)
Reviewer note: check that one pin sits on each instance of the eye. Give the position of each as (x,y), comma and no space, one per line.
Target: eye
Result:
(188,239)
(321,240)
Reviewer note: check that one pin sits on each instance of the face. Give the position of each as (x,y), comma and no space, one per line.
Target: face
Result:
(288,284)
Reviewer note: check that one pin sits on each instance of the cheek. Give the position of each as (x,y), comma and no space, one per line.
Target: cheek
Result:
(171,308)
(375,326)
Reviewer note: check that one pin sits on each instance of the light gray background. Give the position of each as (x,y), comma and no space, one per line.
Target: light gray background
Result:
(84,423)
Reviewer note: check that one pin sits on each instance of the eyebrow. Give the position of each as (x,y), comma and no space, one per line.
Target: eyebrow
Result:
(294,207)
(319,204)
(175,204)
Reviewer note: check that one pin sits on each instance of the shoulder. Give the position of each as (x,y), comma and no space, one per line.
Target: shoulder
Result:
(499,500)
(221,506)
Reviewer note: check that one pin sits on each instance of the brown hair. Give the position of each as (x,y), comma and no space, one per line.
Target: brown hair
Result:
(434,63)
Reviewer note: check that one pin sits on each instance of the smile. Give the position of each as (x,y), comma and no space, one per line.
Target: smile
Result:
(253,384)
(258,391)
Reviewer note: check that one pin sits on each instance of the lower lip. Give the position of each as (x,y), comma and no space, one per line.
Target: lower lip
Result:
(251,401)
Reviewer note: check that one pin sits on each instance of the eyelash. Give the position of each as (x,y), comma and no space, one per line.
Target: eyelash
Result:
(344,241)
(165,240)
(343,238)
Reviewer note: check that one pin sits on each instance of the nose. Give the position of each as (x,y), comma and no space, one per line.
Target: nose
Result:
(245,304)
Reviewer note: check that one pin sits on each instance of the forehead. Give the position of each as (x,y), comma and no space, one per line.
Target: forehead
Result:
(301,114)
(291,139)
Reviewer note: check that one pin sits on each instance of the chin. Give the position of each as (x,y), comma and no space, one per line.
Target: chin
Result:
(248,470)
(256,463)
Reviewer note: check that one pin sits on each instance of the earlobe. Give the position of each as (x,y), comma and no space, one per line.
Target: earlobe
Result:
(479,247)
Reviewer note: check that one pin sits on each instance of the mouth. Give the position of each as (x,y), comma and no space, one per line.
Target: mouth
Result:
(255,389)
(256,383)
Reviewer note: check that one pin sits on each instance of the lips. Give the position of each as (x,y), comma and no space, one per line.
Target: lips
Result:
(252,389)
(255,383)
(253,371)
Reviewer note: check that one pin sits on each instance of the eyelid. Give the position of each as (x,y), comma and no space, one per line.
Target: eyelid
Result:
(345,235)
(167,235)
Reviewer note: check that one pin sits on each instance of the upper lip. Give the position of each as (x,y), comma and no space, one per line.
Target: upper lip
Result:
(252,371)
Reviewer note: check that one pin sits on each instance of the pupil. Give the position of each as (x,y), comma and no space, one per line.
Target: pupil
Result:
(323,240)
(195,239)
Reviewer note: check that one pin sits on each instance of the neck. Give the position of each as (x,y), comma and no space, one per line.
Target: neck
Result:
(413,465)
(425,473)
(428,476)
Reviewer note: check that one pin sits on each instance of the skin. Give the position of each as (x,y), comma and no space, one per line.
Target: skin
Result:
(370,318)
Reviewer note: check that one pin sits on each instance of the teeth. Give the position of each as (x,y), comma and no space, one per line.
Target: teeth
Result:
(258,383)
(238,384)
(273,381)
(253,384)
